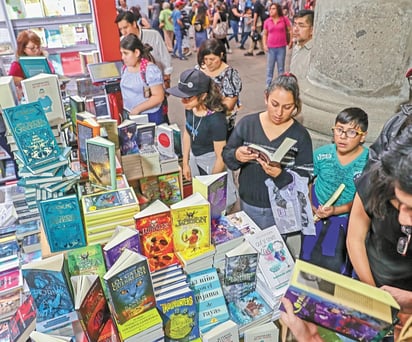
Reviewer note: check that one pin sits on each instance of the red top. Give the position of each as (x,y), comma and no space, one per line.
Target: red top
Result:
(17,71)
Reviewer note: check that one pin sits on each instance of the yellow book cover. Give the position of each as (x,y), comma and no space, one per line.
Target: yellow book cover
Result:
(191,223)
(139,324)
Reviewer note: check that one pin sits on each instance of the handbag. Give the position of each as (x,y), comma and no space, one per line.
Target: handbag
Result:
(220,31)
(256,36)
(287,30)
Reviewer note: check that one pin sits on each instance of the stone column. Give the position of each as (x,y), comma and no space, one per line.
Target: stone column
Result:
(362,50)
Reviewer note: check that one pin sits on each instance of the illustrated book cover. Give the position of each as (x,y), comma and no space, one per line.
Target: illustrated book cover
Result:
(130,286)
(224,231)
(154,224)
(210,301)
(169,186)
(45,88)
(214,189)
(191,225)
(128,137)
(10,280)
(241,265)
(34,137)
(101,162)
(271,157)
(86,260)
(122,238)
(339,303)
(50,287)
(23,322)
(179,315)
(243,222)
(90,304)
(62,222)
(86,129)
(275,261)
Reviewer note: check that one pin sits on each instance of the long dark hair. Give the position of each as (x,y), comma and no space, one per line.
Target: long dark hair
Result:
(132,43)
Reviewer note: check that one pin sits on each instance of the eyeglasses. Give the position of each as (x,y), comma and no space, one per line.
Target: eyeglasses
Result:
(403,241)
(350,133)
(33,48)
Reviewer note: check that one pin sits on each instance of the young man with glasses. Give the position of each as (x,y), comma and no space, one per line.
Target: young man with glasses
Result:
(335,164)
(302,35)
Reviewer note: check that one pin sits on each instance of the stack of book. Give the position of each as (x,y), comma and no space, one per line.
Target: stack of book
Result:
(191,233)
(169,279)
(103,211)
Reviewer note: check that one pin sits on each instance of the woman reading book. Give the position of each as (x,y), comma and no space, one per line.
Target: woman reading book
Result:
(28,44)
(269,129)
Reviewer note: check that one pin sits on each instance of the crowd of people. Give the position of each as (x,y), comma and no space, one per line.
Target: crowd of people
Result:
(366,233)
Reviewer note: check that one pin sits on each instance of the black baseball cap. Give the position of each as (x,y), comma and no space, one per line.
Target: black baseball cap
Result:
(192,82)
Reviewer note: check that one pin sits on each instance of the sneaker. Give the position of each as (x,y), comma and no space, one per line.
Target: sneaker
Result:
(174,56)
(229,51)
(242,48)
(248,54)
(260,53)
(183,58)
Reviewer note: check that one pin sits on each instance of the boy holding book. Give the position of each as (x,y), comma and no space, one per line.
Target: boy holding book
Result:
(334,164)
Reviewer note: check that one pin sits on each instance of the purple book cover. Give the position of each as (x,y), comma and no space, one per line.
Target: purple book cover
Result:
(339,318)
(223,230)
(111,255)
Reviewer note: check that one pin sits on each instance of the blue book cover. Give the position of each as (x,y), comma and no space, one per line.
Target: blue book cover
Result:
(179,315)
(62,223)
(223,230)
(209,297)
(33,135)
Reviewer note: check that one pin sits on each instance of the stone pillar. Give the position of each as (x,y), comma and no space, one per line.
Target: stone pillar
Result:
(362,50)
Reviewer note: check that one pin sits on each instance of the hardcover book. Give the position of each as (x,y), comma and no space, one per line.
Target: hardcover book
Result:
(155,229)
(130,286)
(179,315)
(122,238)
(169,187)
(214,189)
(210,302)
(101,162)
(50,287)
(339,303)
(15,9)
(191,225)
(31,130)
(275,261)
(128,138)
(34,8)
(62,222)
(226,331)
(53,38)
(90,304)
(177,140)
(34,65)
(271,157)
(86,129)
(86,260)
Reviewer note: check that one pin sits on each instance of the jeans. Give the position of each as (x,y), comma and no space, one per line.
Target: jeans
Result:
(275,56)
(245,36)
(263,217)
(235,30)
(178,44)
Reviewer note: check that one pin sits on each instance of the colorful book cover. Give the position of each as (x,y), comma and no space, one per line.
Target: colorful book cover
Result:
(86,129)
(179,315)
(70,60)
(149,188)
(123,237)
(128,138)
(23,321)
(223,230)
(109,332)
(210,302)
(164,140)
(86,260)
(31,130)
(275,260)
(155,229)
(62,222)
(130,286)
(90,304)
(248,309)
(146,135)
(53,38)
(9,249)
(101,162)
(191,224)
(339,303)
(214,189)
(9,303)
(241,265)
(169,186)
(48,283)
(15,9)
(10,280)
(243,223)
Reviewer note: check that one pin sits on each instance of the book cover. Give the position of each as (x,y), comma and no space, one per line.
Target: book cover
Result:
(101,162)
(10,280)
(122,238)
(8,95)
(224,332)
(86,129)
(53,38)
(101,107)
(223,231)
(90,304)
(35,65)
(275,261)
(31,243)
(154,224)
(210,301)
(82,6)
(272,157)
(62,222)
(214,189)
(243,222)
(15,9)
(241,265)
(48,283)
(146,135)
(45,89)
(339,303)
(169,187)
(165,140)
(71,59)
(9,303)
(34,8)
(23,322)
(179,315)
(56,61)
(130,286)
(9,248)
(81,36)
(150,188)
(177,140)
(109,332)
(191,225)
(110,125)
(86,260)
(267,332)
(128,138)
(57,8)
(31,130)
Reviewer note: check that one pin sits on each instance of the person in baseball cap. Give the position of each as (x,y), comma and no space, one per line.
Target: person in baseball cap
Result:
(192,82)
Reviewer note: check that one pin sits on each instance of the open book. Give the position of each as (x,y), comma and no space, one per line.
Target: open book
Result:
(272,157)
(339,303)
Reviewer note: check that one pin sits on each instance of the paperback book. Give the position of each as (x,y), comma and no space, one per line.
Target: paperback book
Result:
(86,260)
(86,129)
(128,137)
(241,265)
(272,157)
(169,187)
(226,331)
(23,322)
